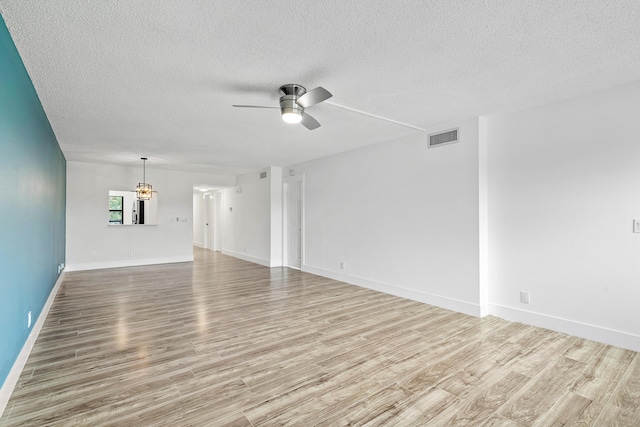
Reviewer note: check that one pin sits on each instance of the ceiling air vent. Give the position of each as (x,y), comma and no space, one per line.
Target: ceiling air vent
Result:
(263,175)
(443,138)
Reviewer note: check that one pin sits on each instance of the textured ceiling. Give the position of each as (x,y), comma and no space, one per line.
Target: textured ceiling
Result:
(121,79)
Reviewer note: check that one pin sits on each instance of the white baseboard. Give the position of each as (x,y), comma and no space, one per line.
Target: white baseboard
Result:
(571,327)
(578,329)
(126,263)
(199,245)
(18,365)
(412,294)
(246,257)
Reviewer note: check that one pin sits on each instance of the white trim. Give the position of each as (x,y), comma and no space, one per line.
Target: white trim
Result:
(412,294)
(249,258)
(126,263)
(571,327)
(14,374)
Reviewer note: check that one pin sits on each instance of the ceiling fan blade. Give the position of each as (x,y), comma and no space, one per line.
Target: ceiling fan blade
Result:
(253,106)
(313,97)
(309,122)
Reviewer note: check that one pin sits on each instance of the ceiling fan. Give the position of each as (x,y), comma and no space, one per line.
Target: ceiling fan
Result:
(294,100)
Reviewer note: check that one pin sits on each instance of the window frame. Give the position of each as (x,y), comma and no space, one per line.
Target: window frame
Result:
(121,210)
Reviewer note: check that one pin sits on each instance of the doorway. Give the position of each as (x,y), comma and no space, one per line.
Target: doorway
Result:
(293,222)
(207,218)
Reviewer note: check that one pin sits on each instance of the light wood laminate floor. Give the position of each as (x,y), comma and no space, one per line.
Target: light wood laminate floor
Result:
(223,342)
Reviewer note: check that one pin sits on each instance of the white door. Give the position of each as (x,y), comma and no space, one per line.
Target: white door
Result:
(293,224)
(207,220)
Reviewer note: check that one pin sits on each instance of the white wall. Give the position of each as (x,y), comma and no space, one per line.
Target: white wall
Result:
(250,214)
(91,243)
(402,217)
(564,187)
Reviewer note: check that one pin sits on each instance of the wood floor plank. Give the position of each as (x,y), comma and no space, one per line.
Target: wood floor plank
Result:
(499,421)
(373,409)
(627,394)
(476,407)
(223,342)
(602,375)
(538,396)
(567,410)
(420,408)
(614,416)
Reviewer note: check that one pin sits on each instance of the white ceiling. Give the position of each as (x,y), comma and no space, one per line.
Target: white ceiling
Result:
(121,79)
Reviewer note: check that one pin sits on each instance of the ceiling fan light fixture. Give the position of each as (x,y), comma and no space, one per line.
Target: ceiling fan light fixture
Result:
(292,116)
(291,111)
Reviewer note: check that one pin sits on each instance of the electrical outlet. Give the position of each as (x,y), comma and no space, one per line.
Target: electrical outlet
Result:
(525,298)
(342,266)
(636,225)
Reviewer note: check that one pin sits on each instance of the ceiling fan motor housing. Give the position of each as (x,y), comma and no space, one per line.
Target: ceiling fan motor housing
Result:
(293,89)
(288,100)
(288,104)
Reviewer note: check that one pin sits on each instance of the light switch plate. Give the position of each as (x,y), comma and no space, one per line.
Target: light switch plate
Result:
(636,225)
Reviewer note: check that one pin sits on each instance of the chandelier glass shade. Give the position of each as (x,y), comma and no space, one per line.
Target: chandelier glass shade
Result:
(143,189)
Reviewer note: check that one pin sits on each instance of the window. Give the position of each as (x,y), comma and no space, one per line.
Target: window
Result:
(115,210)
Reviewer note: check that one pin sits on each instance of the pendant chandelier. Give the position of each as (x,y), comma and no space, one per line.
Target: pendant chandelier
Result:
(143,190)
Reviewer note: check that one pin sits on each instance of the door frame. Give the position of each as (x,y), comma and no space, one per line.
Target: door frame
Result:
(286,181)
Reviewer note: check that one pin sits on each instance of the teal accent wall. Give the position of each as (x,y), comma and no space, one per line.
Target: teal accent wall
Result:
(32,204)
